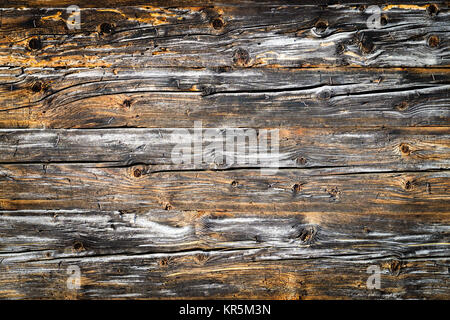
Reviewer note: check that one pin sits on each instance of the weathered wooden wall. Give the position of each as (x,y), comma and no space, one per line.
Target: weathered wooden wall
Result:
(88,119)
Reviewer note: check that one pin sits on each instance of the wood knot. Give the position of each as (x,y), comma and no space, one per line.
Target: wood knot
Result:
(217,23)
(320,27)
(234,184)
(366,46)
(35,44)
(395,267)
(404,148)
(201,258)
(127,103)
(301,160)
(308,235)
(402,106)
(296,188)
(106,28)
(334,193)
(433,41)
(164,262)
(408,185)
(241,57)
(325,95)
(37,87)
(433,10)
(167,206)
(137,173)
(383,20)
(78,246)
(340,49)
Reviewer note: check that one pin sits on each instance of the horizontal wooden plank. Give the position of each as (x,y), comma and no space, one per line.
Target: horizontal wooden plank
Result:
(55,234)
(172,254)
(243,274)
(421,4)
(38,87)
(389,149)
(98,187)
(230,36)
(170,98)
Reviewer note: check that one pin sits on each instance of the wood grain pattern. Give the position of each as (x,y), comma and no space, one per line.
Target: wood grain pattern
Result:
(217,255)
(395,149)
(97,186)
(417,4)
(293,36)
(168,98)
(89,119)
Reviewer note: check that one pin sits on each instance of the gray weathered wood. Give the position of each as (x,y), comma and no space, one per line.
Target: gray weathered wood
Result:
(105,187)
(89,119)
(248,37)
(176,98)
(393,149)
(210,255)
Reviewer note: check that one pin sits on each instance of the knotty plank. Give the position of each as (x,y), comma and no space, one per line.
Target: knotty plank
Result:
(233,274)
(158,253)
(54,234)
(206,3)
(389,149)
(97,186)
(168,98)
(262,36)
(39,87)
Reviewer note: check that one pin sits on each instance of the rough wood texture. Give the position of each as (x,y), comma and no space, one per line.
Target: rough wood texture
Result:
(286,36)
(422,148)
(89,119)
(167,98)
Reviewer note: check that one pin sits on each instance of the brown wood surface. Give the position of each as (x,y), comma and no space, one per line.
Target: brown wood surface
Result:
(89,119)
